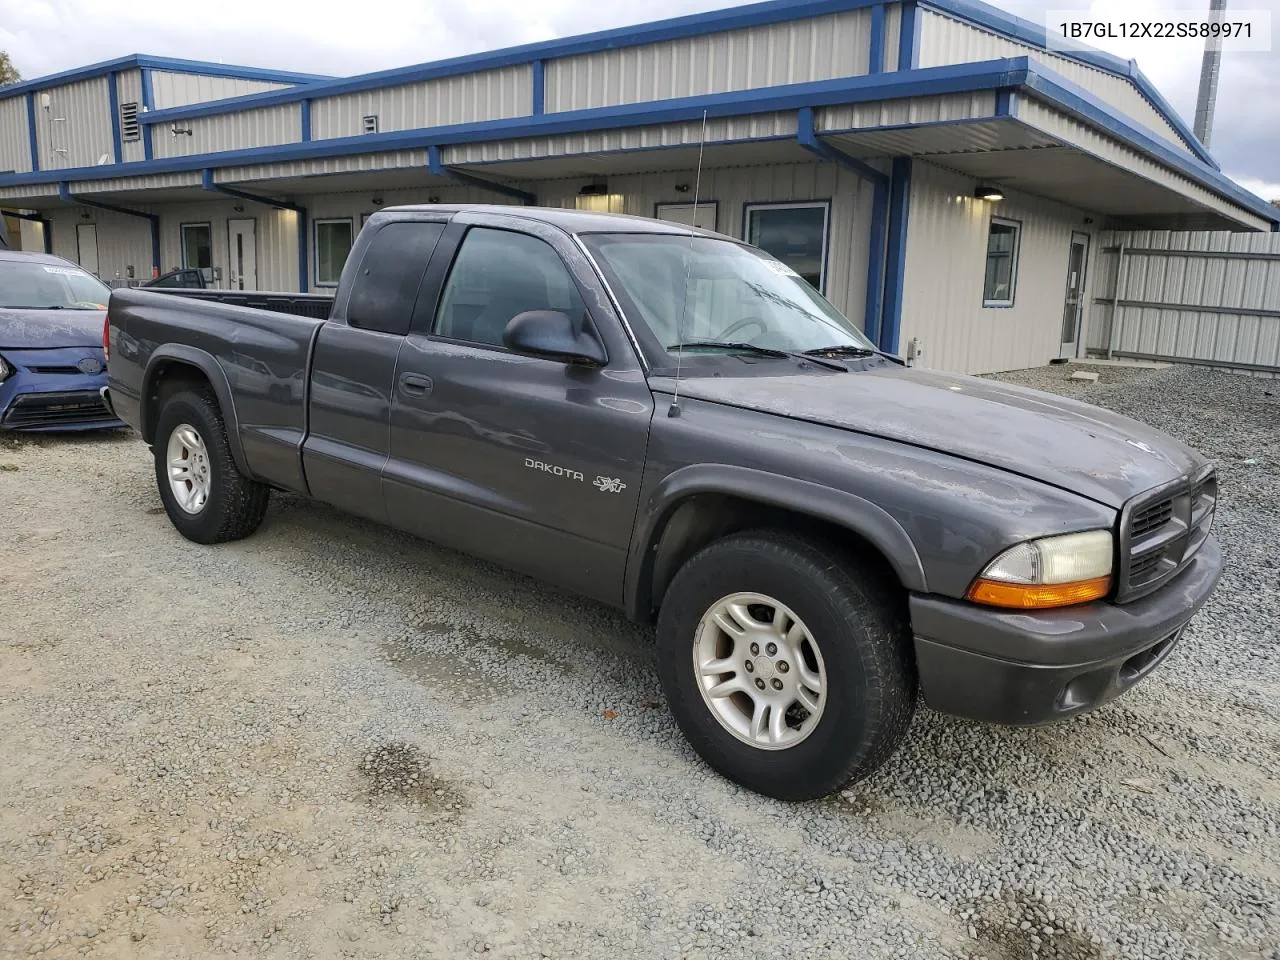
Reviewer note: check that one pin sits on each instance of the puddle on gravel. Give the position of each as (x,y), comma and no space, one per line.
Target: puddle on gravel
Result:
(401,771)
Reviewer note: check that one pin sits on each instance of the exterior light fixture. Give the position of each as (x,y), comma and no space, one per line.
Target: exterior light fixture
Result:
(994,194)
(376,201)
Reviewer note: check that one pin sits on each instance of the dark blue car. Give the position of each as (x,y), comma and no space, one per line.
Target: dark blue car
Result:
(52,366)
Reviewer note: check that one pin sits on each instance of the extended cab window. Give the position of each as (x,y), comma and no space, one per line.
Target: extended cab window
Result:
(498,274)
(386,285)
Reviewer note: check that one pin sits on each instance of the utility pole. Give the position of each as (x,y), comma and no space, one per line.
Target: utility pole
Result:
(1209,69)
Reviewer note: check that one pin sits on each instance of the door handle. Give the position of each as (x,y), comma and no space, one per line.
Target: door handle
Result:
(415,384)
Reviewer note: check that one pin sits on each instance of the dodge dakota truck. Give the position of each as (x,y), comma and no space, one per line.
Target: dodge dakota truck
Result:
(673,422)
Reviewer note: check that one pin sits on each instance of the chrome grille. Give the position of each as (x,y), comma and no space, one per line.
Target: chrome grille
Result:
(1161,530)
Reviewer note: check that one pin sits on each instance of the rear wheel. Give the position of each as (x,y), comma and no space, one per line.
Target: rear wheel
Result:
(786,663)
(205,495)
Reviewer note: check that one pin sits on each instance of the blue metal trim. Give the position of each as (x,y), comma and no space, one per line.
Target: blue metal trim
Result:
(1165,109)
(46,225)
(872,319)
(305,116)
(896,260)
(875,58)
(806,137)
(148,105)
(65,195)
(207,183)
(1004,103)
(32,140)
(113,97)
(137,60)
(539,88)
(438,169)
(909,36)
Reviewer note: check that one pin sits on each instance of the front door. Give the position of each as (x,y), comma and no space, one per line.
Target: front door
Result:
(87,246)
(531,462)
(1073,308)
(242,253)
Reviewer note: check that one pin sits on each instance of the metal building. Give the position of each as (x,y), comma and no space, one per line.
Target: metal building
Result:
(929,164)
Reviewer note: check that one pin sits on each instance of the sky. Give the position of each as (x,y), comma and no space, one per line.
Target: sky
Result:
(342,37)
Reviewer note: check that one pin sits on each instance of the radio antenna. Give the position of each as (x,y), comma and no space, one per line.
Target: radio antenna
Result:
(674,409)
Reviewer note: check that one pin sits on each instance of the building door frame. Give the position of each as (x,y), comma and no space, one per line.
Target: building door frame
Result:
(242,253)
(1074,295)
(87,247)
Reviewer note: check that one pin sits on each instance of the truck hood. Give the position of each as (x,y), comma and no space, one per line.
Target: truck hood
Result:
(1077,447)
(44,329)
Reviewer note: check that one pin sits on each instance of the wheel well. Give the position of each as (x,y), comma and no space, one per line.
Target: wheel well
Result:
(168,377)
(698,520)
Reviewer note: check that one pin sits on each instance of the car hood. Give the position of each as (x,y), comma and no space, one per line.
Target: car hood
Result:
(1077,447)
(43,329)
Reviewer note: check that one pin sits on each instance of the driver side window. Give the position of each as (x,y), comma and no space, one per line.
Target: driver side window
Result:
(496,275)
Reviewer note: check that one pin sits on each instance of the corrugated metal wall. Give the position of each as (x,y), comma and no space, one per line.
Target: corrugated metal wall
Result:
(944,40)
(243,129)
(819,48)
(883,113)
(1235,280)
(945,267)
(179,89)
(638,138)
(488,95)
(123,241)
(732,188)
(129,87)
(75,131)
(15,150)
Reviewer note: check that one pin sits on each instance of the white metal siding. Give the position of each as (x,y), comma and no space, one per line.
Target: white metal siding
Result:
(241,130)
(1072,132)
(154,181)
(885,113)
(123,241)
(1239,282)
(277,234)
(818,48)
(638,138)
(892,35)
(732,188)
(129,87)
(15,150)
(83,134)
(179,89)
(487,95)
(944,40)
(399,159)
(945,265)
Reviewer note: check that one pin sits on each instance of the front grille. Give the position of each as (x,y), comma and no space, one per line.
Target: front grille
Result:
(72,370)
(1161,531)
(31,410)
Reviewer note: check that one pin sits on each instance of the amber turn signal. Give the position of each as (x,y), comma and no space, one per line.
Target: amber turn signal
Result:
(1038,596)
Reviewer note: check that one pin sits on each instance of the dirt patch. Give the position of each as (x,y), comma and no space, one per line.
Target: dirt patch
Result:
(1023,927)
(401,771)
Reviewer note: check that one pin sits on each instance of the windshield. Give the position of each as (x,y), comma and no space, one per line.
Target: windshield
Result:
(734,295)
(31,285)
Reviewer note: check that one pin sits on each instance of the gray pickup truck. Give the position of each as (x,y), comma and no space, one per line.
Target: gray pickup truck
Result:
(674,423)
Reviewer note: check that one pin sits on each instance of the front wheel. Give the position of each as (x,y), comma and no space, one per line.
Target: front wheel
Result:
(786,663)
(205,495)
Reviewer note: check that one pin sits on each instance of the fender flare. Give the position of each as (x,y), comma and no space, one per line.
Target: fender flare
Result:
(843,509)
(207,364)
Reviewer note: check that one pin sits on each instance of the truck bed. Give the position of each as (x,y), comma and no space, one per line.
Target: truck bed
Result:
(256,359)
(316,305)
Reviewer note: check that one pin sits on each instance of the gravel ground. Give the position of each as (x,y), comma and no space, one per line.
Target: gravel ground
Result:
(331,740)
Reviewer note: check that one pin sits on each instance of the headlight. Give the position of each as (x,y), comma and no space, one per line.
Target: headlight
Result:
(5,370)
(1051,572)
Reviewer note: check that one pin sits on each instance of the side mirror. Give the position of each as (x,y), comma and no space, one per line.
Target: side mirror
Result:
(554,335)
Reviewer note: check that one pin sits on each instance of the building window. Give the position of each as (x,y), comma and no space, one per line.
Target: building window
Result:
(683,213)
(333,243)
(197,248)
(130,128)
(795,233)
(1002,263)
(370,124)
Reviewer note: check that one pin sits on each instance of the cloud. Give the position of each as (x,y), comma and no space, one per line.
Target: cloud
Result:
(341,37)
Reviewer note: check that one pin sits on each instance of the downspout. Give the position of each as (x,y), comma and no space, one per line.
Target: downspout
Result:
(437,169)
(65,194)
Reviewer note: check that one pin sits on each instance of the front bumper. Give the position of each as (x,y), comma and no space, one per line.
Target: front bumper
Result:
(48,392)
(1025,668)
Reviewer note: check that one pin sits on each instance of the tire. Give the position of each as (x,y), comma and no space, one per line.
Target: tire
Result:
(232,506)
(854,638)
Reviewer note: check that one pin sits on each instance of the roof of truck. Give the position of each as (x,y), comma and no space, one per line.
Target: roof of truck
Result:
(572,221)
